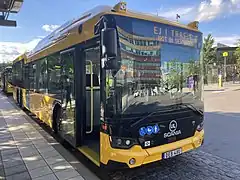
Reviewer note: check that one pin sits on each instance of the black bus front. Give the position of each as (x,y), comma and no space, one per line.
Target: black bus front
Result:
(153,100)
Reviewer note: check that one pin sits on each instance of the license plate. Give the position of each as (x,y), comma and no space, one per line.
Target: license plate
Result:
(172,153)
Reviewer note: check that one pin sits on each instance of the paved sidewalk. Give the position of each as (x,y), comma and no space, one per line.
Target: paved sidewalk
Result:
(226,87)
(24,153)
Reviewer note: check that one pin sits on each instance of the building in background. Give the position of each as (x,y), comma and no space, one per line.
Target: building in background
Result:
(218,68)
(221,48)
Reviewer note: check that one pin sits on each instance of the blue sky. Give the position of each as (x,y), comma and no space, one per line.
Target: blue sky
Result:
(37,17)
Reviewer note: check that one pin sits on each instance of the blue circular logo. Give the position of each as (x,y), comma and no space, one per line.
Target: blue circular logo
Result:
(142,131)
(149,130)
(156,129)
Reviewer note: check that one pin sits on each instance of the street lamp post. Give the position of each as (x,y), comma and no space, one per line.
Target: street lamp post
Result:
(225,55)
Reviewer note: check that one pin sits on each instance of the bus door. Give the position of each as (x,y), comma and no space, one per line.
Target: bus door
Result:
(68,118)
(91,141)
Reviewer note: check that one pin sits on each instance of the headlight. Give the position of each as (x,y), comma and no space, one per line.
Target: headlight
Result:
(122,143)
(200,126)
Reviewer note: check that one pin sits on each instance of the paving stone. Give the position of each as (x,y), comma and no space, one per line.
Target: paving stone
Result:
(35,134)
(54,159)
(41,145)
(63,165)
(2,174)
(15,169)
(5,136)
(66,174)
(35,164)
(24,143)
(20,176)
(47,177)
(45,149)
(29,151)
(77,178)
(32,158)
(12,162)
(10,151)
(11,156)
(48,154)
(41,171)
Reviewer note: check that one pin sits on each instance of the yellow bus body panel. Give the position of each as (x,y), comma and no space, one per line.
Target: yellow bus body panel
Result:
(42,106)
(145,156)
(24,101)
(15,93)
(10,89)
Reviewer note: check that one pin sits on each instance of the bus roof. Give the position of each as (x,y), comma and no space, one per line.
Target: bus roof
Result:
(68,34)
(20,57)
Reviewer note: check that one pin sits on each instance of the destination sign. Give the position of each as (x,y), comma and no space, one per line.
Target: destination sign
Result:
(170,35)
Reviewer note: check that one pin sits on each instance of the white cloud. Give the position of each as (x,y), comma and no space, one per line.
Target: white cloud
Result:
(207,10)
(171,13)
(227,40)
(49,27)
(10,50)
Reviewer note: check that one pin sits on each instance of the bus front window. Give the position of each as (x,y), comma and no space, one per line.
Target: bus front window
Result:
(160,66)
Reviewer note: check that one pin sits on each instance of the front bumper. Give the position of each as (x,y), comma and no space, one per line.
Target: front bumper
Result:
(121,157)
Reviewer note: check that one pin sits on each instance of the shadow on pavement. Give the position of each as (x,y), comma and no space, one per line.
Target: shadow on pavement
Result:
(222,134)
(211,90)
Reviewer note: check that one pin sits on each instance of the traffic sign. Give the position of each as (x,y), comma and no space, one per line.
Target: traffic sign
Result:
(225,54)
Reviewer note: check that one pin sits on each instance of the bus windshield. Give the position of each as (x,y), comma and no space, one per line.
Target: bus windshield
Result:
(160,66)
(9,74)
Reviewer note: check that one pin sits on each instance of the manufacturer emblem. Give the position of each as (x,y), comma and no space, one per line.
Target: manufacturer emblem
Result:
(173,126)
(172,130)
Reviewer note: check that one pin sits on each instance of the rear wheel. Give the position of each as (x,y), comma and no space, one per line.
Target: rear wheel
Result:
(56,119)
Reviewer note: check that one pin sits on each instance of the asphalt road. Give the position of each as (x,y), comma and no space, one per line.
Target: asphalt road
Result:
(218,158)
(222,124)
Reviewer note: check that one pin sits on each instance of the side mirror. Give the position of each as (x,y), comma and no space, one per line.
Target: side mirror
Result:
(109,48)
(109,43)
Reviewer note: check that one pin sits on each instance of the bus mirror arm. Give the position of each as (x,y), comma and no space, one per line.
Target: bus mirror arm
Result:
(110,63)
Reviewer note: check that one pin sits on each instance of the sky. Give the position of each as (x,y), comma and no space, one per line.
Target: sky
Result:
(37,18)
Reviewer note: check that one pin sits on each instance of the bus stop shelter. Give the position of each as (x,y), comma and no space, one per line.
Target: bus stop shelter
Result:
(7,7)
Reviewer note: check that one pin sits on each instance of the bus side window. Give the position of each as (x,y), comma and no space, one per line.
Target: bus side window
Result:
(95,80)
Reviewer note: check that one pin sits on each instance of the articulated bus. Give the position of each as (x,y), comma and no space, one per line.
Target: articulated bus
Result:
(6,80)
(99,82)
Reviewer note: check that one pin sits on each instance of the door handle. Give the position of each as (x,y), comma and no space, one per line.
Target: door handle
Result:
(91,98)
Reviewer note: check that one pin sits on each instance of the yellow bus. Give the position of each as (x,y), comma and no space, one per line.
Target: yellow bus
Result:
(6,80)
(19,88)
(96,81)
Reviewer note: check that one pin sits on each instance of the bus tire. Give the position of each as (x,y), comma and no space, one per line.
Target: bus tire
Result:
(56,118)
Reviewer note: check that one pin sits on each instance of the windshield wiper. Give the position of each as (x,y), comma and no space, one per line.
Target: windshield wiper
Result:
(142,119)
(164,110)
(190,106)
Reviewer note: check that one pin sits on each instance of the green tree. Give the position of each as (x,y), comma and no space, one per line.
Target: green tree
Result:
(174,77)
(3,65)
(237,54)
(209,54)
